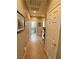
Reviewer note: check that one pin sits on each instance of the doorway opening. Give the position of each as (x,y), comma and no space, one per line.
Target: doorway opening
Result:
(33,31)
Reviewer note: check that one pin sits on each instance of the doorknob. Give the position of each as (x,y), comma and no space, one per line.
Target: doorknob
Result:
(54,45)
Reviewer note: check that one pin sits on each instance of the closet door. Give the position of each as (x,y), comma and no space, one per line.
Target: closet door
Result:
(52,32)
(55,28)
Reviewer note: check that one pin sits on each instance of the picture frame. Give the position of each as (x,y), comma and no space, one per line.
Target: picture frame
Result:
(20,22)
(39,24)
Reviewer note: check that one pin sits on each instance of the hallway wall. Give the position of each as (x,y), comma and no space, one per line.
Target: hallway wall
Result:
(52,29)
(39,25)
(23,36)
(21,7)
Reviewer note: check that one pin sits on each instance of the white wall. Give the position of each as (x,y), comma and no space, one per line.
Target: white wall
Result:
(52,29)
(39,28)
(23,36)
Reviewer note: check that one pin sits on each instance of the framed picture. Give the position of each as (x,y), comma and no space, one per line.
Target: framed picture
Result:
(20,22)
(39,24)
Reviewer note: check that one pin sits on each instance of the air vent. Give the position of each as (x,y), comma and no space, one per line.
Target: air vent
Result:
(34,8)
(35,2)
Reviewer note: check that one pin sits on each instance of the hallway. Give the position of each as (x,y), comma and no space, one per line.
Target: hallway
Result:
(35,48)
(38,29)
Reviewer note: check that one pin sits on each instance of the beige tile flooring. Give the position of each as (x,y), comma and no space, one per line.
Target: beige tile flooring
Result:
(35,49)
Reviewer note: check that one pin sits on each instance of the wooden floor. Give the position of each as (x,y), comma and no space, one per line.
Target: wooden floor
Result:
(35,49)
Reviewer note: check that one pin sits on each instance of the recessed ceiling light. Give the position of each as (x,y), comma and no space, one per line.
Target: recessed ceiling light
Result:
(34,11)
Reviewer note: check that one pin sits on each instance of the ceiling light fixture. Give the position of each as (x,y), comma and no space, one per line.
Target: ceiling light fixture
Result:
(34,11)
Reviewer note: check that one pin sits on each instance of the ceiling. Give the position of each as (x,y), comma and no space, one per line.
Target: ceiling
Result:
(37,7)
